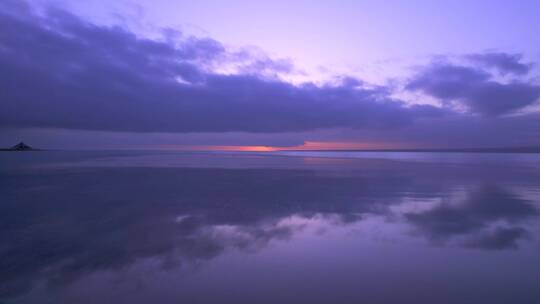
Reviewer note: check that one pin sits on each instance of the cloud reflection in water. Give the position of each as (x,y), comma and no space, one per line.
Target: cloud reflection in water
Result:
(60,226)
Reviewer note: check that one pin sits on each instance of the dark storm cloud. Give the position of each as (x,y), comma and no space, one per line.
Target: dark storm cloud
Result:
(504,63)
(60,71)
(474,88)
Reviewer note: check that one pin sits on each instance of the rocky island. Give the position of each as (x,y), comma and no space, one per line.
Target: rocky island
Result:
(20,147)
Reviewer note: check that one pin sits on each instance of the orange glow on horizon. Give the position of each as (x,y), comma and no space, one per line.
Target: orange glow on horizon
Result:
(307,146)
(243,148)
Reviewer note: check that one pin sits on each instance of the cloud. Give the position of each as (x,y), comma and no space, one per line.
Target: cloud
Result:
(504,63)
(64,72)
(474,88)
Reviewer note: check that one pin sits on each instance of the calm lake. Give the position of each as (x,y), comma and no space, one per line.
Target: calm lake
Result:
(280,227)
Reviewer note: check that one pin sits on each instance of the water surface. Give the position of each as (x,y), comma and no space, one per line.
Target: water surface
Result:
(286,227)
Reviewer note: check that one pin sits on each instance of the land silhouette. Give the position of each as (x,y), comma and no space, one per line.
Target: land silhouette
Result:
(20,147)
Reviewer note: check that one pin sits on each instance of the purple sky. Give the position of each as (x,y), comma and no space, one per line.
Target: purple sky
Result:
(172,74)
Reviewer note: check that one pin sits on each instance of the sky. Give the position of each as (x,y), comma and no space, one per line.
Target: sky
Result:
(254,75)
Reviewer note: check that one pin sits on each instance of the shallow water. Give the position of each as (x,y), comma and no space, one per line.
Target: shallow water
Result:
(171,227)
